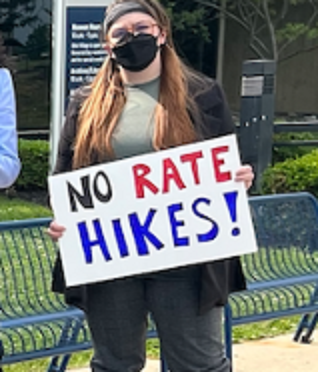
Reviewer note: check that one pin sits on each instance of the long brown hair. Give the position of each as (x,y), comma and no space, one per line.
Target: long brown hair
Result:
(102,108)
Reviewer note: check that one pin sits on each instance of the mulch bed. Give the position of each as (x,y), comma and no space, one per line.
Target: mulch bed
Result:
(36,196)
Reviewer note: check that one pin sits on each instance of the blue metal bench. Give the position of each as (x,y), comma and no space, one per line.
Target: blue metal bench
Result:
(282,280)
(34,322)
(283,275)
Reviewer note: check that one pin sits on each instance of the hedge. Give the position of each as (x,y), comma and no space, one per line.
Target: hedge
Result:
(282,153)
(300,174)
(34,156)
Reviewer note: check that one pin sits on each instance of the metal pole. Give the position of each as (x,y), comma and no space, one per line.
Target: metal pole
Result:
(57,72)
(221,41)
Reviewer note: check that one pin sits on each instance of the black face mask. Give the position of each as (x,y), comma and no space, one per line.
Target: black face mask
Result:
(137,53)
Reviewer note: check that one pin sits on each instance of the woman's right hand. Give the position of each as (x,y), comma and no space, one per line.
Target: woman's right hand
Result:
(55,231)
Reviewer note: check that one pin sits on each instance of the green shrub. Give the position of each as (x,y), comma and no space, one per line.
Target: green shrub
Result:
(34,156)
(282,153)
(300,174)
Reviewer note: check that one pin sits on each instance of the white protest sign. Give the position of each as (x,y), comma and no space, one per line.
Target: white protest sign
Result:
(152,212)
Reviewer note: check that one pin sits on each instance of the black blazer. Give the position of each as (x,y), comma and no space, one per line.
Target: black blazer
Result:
(213,119)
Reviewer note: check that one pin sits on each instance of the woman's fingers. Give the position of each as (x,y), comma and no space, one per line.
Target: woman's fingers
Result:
(245,174)
(55,231)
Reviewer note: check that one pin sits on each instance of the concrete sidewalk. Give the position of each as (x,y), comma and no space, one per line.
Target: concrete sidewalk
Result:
(277,354)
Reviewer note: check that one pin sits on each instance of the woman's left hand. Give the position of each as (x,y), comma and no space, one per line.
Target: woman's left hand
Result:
(245,174)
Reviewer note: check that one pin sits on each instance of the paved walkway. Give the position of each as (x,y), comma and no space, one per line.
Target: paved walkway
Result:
(277,354)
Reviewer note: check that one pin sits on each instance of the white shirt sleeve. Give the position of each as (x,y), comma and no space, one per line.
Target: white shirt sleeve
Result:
(9,159)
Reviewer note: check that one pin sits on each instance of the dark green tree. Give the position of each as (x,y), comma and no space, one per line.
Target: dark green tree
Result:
(195,30)
(16,13)
(5,60)
(39,42)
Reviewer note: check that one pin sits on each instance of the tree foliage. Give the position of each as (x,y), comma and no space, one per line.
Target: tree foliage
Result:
(193,30)
(16,13)
(39,42)
(272,25)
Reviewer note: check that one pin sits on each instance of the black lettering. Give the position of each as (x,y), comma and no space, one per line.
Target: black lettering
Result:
(85,198)
(103,198)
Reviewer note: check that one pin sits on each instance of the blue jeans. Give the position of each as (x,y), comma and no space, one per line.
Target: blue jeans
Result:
(117,316)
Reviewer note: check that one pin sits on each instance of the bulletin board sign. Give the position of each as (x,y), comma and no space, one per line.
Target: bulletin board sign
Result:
(78,53)
(152,212)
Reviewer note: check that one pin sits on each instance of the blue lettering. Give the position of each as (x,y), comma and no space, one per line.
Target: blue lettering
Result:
(87,244)
(212,234)
(120,237)
(178,241)
(141,232)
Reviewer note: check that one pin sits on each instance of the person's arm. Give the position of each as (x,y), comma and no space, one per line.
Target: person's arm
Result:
(218,122)
(9,159)
(221,110)
(214,117)
(65,155)
(65,151)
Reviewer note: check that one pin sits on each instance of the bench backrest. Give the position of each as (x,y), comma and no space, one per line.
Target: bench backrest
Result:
(286,228)
(27,257)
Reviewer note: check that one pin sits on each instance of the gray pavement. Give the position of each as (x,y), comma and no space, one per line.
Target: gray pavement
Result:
(278,354)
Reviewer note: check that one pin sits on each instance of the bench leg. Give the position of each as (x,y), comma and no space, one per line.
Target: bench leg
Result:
(308,322)
(228,331)
(303,324)
(69,335)
(164,366)
(1,355)
(59,363)
(310,329)
(306,326)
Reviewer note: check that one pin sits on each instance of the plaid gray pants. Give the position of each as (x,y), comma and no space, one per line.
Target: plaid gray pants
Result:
(117,316)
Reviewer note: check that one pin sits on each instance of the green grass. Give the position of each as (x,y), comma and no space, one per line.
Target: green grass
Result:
(15,209)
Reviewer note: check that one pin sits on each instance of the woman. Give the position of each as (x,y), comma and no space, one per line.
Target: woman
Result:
(144,99)
(9,160)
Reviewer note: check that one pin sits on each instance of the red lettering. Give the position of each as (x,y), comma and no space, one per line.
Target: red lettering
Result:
(217,163)
(141,182)
(170,172)
(193,160)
